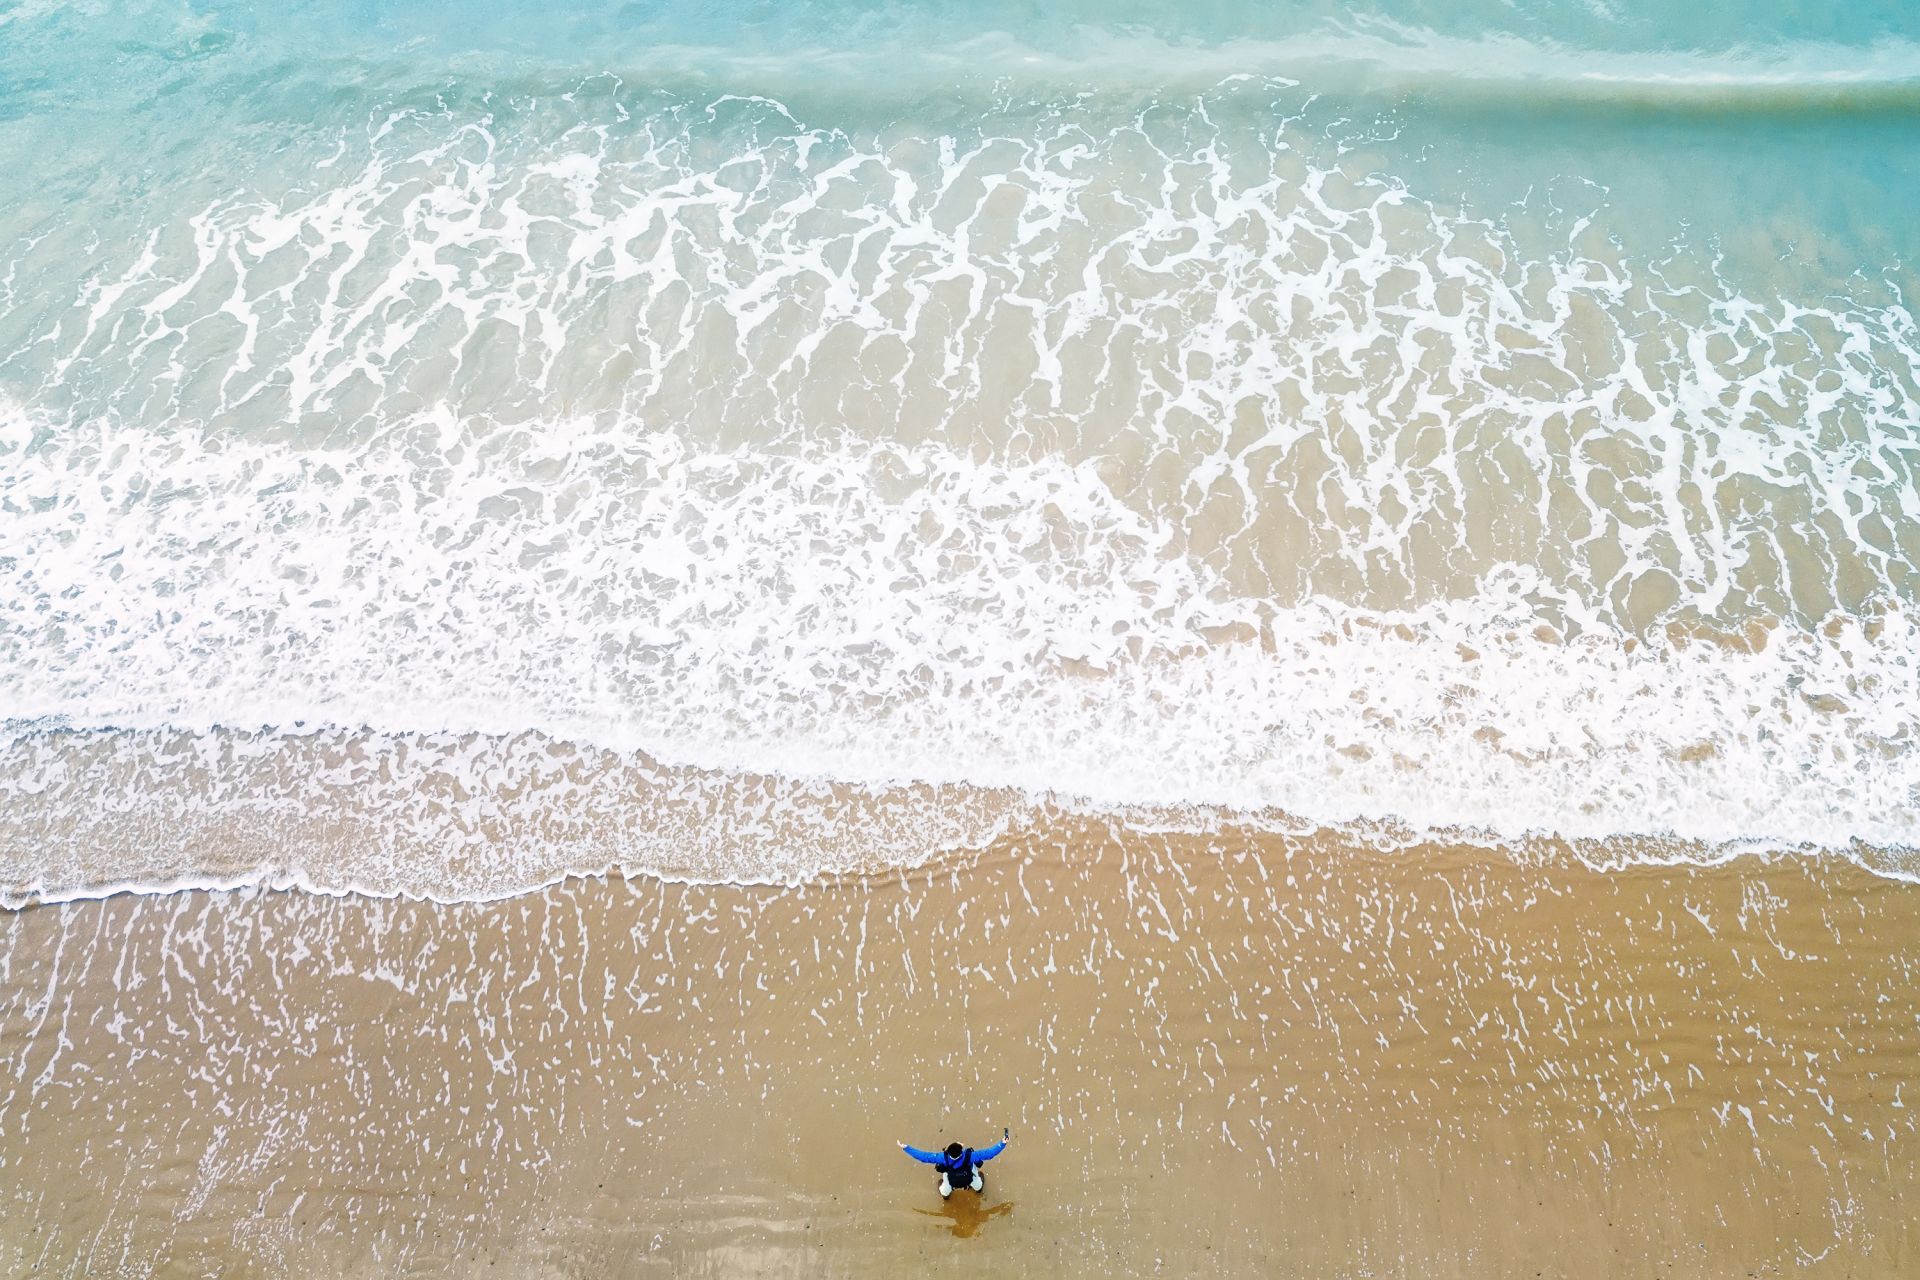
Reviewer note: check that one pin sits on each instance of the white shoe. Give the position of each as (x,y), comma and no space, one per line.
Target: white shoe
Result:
(946,1188)
(978,1182)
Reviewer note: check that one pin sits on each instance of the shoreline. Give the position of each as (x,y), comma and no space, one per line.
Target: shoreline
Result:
(359,813)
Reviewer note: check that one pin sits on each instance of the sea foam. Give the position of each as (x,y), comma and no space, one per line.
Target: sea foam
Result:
(873,619)
(1159,463)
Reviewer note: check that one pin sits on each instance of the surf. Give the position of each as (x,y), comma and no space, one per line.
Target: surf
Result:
(499,452)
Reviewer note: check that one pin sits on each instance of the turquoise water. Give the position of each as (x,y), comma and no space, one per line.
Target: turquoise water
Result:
(1452,417)
(1749,126)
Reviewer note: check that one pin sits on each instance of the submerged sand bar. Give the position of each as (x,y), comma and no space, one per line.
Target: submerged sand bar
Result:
(1226,1055)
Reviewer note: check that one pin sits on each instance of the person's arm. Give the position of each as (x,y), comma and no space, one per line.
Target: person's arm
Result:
(924,1157)
(981,1157)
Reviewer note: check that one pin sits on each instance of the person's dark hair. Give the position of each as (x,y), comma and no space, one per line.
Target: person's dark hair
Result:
(954,1150)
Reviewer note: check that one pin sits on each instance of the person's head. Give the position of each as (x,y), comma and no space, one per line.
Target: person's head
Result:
(955,1151)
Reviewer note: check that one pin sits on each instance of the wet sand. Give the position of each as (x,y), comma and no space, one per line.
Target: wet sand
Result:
(1231,1055)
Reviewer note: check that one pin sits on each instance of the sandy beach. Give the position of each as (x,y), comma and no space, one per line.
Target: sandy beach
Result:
(1232,1055)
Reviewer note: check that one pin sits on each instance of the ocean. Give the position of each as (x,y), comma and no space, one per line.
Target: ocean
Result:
(518,423)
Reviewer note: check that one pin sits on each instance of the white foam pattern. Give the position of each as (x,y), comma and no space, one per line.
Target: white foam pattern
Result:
(1172,462)
(1329,385)
(868,618)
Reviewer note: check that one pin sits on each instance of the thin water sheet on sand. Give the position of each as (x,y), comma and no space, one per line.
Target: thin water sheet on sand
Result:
(1219,1055)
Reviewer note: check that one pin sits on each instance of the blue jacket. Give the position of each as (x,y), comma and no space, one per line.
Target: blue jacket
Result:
(956,1166)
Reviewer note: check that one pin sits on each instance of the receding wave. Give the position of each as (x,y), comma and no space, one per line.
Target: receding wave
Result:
(511,481)
(594,612)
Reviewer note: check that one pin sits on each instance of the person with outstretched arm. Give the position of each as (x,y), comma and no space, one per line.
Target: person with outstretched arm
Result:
(960,1166)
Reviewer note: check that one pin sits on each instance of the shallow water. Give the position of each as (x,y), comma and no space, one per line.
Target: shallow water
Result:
(1231,1055)
(1345,416)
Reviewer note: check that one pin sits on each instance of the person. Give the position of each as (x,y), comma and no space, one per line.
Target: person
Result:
(960,1166)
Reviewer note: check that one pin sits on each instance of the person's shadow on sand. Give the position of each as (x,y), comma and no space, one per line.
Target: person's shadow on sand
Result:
(967,1215)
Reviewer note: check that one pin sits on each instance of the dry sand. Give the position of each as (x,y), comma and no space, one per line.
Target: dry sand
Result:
(1236,1056)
